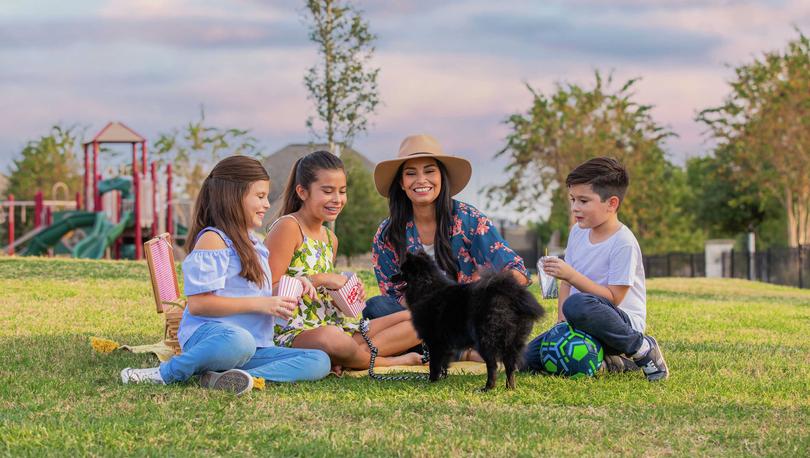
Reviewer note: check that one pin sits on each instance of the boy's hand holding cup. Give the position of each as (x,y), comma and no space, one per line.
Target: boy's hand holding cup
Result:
(556,267)
(548,282)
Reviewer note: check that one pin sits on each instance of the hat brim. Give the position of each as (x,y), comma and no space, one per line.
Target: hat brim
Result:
(459,171)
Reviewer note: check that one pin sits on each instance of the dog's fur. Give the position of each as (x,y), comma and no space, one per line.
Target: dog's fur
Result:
(494,315)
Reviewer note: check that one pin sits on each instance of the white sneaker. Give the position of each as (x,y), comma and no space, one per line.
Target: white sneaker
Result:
(147,375)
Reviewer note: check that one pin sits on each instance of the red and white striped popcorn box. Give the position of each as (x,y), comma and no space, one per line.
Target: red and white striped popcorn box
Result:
(289,286)
(348,298)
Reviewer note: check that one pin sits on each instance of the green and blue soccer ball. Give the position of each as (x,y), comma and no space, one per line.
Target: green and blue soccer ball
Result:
(570,352)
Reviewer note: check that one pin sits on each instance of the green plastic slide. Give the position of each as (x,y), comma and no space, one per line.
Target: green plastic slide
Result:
(51,235)
(103,234)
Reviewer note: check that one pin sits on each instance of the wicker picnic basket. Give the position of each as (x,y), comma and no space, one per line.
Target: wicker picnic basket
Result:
(163,274)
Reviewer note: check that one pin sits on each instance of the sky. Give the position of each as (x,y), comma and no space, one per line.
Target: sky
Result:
(453,69)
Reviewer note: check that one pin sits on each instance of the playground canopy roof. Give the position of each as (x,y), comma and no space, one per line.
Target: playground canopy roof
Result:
(116,132)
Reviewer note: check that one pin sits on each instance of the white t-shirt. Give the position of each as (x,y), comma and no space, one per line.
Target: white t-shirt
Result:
(430,250)
(615,261)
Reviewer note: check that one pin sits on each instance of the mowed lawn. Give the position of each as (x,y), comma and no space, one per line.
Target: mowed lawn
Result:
(739,354)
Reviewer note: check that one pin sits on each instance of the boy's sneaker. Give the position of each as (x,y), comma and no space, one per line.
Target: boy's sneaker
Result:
(148,375)
(236,381)
(653,364)
(616,364)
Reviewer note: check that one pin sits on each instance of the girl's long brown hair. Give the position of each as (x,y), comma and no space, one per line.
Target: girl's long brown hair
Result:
(219,205)
(305,172)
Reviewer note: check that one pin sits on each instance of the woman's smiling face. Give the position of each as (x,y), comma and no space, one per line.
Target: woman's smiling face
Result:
(421,180)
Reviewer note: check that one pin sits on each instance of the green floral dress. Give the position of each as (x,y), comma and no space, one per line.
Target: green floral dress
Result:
(313,257)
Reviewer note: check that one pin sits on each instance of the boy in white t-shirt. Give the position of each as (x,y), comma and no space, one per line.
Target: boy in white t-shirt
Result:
(602,288)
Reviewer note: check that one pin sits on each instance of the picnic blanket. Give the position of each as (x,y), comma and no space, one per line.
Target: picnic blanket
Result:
(456,368)
(165,353)
(159,349)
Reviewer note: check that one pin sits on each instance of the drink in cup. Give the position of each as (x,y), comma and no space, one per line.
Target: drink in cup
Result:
(548,284)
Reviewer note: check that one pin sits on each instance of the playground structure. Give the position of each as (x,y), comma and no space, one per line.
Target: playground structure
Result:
(111,217)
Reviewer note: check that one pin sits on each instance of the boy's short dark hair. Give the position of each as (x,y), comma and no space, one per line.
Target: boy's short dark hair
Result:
(606,175)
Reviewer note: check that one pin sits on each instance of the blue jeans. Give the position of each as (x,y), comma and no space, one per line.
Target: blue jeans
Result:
(219,347)
(379,306)
(598,317)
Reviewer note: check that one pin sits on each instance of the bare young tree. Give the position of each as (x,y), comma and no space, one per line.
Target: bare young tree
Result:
(342,84)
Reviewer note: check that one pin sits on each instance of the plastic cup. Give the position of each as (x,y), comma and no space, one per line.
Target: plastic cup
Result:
(548,284)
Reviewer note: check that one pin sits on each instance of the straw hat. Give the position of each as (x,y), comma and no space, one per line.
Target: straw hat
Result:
(416,146)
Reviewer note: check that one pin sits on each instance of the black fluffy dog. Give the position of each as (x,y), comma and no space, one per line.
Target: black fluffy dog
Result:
(494,315)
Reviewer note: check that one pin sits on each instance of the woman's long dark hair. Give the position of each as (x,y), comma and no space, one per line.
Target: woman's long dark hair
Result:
(400,210)
(219,205)
(305,172)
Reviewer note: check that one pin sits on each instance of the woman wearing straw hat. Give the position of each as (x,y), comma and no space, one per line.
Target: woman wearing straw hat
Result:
(419,185)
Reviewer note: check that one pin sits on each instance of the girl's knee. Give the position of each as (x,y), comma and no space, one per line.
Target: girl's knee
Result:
(343,348)
(319,363)
(235,348)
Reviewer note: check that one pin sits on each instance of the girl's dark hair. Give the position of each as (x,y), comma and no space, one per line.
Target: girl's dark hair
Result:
(400,210)
(305,172)
(219,204)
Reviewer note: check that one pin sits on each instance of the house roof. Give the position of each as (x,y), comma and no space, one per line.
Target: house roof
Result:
(280,163)
(116,132)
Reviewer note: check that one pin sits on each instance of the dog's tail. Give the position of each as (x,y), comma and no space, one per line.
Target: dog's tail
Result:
(522,301)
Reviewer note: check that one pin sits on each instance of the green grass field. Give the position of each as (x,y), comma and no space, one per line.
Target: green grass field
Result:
(739,353)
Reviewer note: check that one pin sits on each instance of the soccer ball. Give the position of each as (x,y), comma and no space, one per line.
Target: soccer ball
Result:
(570,352)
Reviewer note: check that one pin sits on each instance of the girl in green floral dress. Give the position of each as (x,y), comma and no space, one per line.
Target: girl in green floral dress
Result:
(301,247)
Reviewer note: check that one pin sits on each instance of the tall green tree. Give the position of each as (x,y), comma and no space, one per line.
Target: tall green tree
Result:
(763,131)
(195,148)
(342,85)
(726,207)
(364,210)
(573,124)
(43,162)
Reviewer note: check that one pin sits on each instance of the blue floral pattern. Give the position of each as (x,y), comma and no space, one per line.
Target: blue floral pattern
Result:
(474,240)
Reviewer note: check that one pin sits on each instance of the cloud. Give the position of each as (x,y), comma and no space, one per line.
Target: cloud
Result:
(192,33)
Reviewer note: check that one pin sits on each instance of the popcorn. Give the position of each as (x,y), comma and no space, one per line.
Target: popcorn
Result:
(348,298)
(103,345)
(258,383)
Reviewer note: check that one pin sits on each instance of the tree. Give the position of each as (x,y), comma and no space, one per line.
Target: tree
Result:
(44,162)
(342,86)
(574,124)
(763,131)
(194,150)
(364,211)
(723,206)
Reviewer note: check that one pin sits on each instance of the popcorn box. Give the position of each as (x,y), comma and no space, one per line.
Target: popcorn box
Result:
(289,286)
(348,299)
